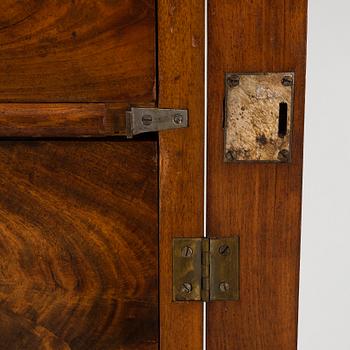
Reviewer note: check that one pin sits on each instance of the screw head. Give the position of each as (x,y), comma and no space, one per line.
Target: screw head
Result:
(287,80)
(186,252)
(230,156)
(283,156)
(224,286)
(147,119)
(224,250)
(178,119)
(232,80)
(186,288)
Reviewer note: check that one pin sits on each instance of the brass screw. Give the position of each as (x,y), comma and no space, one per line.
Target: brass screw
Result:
(186,288)
(186,252)
(178,119)
(224,286)
(224,250)
(147,119)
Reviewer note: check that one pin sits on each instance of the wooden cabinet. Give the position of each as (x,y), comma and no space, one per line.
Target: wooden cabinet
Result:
(88,216)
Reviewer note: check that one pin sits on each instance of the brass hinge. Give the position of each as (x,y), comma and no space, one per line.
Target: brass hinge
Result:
(206,269)
(142,120)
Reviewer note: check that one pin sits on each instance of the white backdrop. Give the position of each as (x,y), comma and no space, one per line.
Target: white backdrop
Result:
(325,267)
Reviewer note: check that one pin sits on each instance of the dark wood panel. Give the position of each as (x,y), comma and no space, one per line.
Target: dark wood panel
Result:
(181,85)
(259,202)
(78,245)
(77,51)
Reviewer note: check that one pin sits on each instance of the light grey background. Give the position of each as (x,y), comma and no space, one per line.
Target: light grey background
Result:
(325,266)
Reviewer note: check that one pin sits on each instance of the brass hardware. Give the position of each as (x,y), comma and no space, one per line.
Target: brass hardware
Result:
(187,269)
(258,117)
(206,269)
(224,268)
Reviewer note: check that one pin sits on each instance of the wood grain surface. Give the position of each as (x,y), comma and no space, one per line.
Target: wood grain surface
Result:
(181,85)
(77,51)
(259,202)
(78,245)
(62,119)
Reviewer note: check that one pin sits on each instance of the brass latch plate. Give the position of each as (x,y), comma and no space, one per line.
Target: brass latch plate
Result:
(206,269)
(258,116)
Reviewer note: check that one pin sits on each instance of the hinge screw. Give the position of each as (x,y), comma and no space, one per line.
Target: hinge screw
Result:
(224,286)
(224,250)
(147,119)
(178,119)
(186,288)
(186,252)
(287,80)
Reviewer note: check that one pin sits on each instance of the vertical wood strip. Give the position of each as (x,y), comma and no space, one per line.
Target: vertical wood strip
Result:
(181,85)
(259,202)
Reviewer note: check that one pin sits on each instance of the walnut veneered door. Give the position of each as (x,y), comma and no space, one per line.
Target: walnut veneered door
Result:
(79,218)
(85,214)
(78,245)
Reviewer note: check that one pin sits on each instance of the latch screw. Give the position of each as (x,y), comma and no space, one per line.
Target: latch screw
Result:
(147,119)
(186,288)
(186,252)
(224,286)
(178,119)
(224,250)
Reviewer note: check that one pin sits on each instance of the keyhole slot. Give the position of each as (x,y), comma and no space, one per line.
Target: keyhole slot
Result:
(283,120)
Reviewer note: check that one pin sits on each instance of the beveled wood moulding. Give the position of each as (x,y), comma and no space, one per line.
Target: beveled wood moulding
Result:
(62,119)
(83,120)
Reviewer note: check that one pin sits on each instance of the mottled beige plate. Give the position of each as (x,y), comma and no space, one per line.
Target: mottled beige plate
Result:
(258,118)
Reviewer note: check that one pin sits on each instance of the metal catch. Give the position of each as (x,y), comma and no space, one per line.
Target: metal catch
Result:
(141,120)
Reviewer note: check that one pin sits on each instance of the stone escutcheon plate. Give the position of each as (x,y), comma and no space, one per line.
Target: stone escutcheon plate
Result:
(258,116)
